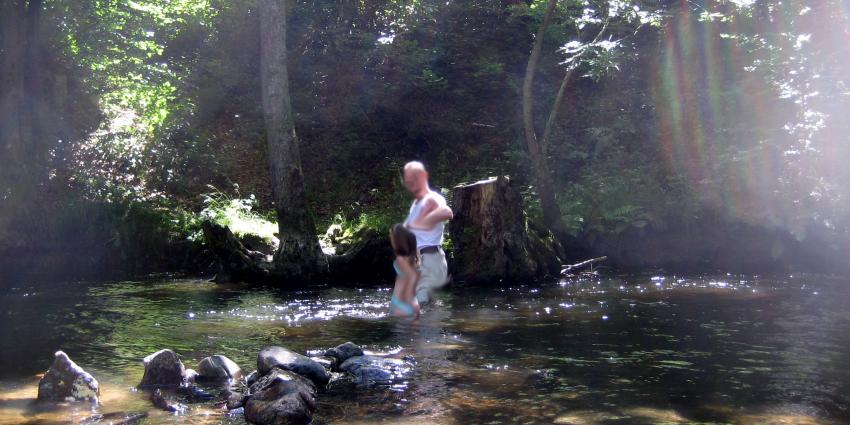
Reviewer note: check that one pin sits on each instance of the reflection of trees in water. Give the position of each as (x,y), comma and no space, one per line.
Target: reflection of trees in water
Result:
(813,370)
(37,323)
(483,354)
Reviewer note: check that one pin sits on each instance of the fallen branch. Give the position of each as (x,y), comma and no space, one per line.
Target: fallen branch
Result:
(584,263)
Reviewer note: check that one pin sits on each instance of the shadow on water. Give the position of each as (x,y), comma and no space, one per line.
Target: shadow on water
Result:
(731,349)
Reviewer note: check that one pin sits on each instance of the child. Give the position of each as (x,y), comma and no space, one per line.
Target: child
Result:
(403,301)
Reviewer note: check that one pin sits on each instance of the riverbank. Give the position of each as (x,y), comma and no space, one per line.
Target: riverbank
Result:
(705,245)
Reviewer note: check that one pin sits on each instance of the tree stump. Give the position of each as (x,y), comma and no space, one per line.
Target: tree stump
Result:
(369,258)
(492,239)
(236,262)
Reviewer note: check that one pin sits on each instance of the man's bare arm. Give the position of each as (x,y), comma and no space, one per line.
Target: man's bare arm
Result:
(433,213)
(443,213)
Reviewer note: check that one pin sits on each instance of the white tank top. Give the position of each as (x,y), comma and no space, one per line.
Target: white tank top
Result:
(431,237)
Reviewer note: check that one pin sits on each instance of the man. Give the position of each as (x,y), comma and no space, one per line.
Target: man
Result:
(426,220)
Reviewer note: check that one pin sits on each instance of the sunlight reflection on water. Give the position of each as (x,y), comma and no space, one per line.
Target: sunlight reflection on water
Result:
(654,349)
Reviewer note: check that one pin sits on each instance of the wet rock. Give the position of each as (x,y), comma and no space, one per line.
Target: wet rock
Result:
(326,362)
(282,358)
(239,411)
(159,401)
(163,369)
(114,418)
(190,376)
(315,353)
(193,394)
(66,381)
(233,399)
(344,352)
(252,377)
(218,368)
(370,369)
(281,397)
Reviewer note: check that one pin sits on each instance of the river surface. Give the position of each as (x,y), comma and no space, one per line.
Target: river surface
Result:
(628,350)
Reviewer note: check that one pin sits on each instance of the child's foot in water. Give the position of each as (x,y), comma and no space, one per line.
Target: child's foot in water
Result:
(401,308)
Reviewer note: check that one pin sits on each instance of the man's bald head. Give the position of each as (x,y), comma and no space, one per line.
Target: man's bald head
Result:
(416,178)
(414,167)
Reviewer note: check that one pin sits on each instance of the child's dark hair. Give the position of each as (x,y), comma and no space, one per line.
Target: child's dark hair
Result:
(404,243)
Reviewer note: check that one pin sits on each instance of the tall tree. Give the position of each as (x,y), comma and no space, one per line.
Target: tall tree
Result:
(595,51)
(20,141)
(12,94)
(299,256)
(548,202)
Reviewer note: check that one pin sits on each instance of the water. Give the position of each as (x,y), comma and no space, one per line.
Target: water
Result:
(733,349)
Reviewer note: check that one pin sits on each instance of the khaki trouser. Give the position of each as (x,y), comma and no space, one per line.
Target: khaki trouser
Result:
(433,275)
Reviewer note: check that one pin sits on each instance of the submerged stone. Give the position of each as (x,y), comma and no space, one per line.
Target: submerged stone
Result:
(344,352)
(218,368)
(281,397)
(252,377)
(160,402)
(115,418)
(232,400)
(65,381)
(163,369)
(326,362)
(193,394)
(370,369)
(285,359)
(190,375)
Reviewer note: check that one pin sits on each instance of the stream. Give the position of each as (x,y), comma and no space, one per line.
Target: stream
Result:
(620,350)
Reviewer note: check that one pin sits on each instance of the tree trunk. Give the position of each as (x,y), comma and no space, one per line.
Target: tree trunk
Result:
(556,106)
(548,201)
(12,85)
(36,146)
(13,136)
(559,98)
(367,259)
(492,239)
(299,258)
(236,262)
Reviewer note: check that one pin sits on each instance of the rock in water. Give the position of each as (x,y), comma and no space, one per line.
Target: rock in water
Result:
(190,375)
(252,377)
(343,352)
(114,418)
(193,394)
(281,397)
(326,362)
(289,360)
(160,402)
(163,369)
(488,217)
(233,399)
(218,368)
(368,369)
(67,381)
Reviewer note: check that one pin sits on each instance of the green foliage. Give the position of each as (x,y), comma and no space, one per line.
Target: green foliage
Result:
(342,232)
(378,210)
(799,50)
(431,80)
(718,103)
(239,214)
(606,204)
(123,46)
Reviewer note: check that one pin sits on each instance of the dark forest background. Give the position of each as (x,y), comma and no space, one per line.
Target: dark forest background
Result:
(697,135)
